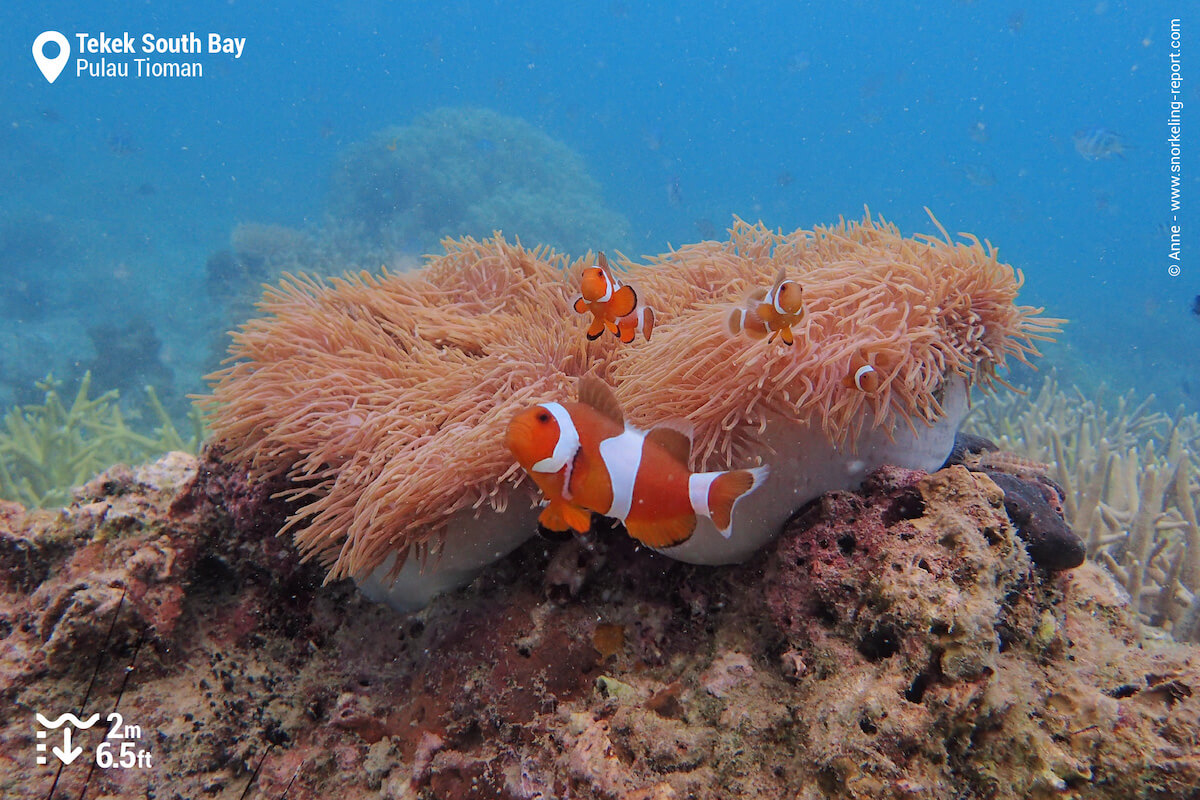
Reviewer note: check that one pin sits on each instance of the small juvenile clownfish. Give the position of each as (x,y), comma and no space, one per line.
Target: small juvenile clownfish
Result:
(862,376)
(614,305)
(770,313)
(586,460)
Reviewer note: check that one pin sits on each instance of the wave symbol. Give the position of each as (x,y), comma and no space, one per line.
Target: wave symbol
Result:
(68,717)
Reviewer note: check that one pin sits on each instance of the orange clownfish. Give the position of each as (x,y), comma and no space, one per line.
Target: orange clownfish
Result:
(614,305)
(586,460)
(862,376)
(770,313)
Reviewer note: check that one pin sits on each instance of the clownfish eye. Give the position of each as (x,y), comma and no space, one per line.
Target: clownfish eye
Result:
(543,416)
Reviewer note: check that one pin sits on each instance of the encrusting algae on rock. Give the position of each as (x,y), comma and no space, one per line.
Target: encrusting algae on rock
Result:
(384,399)
(895,642)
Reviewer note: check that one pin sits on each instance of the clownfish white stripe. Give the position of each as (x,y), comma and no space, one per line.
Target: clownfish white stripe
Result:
(610,285)
(622,457)
(698,485)
(567,444)
(861,373)
(775,300)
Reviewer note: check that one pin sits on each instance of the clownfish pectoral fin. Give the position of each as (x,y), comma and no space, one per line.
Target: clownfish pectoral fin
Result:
(675,438)
(785,333)
(579,519)
(714,494)
(595,393)
(664,532)
(580,305)
(623,302)
(551,518)
(561,516)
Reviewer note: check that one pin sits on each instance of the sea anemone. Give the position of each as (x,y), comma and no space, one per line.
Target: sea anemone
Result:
(933,316)
(384,399)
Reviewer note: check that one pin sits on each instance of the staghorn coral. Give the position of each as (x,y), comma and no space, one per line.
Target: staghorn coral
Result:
(1130,488)
(47,449)
(384,398)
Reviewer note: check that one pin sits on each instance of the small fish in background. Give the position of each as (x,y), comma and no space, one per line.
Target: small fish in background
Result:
(980,175)
(50,115)
(122,145)
(862,375)
(1196,305)
(978,132)
(799,62)
(770,314)
(613,305)
(674,193)
(1099,144)
(587,460)
(146,190)
(652,137)
(784,179)
(619,10)
(1016,21)
(706,228)
(433,48)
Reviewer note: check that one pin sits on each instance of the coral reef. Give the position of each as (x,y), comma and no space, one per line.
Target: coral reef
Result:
(129,356)
(895,642)
(1130,488)
(47,449)
(257,254)
(467,171)
(384,398)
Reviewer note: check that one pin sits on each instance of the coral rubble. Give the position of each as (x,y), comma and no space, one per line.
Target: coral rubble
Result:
(895,642)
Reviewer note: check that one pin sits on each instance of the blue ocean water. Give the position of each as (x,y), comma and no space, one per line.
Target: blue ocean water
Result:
(118,191)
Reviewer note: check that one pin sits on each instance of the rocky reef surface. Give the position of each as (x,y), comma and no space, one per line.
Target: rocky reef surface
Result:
(896,642)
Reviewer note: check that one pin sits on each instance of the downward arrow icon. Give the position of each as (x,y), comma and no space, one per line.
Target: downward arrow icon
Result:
(65,753)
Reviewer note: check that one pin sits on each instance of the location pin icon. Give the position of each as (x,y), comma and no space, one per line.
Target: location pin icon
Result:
(51,67)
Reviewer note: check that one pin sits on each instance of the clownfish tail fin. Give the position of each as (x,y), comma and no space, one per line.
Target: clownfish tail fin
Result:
(737,318)
(714,494)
